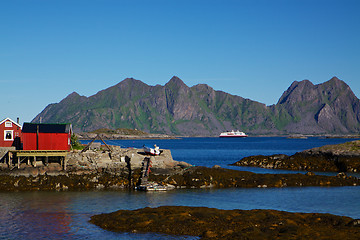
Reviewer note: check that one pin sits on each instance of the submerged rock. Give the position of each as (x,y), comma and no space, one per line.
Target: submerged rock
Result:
(211,223)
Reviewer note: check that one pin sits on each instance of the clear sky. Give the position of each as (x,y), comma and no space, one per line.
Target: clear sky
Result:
(251,48)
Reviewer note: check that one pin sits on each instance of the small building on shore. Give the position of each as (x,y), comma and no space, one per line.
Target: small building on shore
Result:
(10,133)
(45,136)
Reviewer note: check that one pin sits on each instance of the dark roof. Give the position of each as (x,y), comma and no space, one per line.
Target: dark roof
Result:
(46,127)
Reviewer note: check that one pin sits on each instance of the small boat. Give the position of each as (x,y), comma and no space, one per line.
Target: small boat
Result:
(152,187)
(155,151)
(233,134)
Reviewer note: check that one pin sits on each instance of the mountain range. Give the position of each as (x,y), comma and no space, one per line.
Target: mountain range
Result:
(176,109)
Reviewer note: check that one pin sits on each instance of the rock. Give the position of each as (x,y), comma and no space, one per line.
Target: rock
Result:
(211,223)
(184,164)
(355,223)
(332,158)
(220,177)
(216,166)
(209,234)
(341,175)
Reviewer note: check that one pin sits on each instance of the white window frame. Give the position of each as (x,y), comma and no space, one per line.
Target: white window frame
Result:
(8,124)
(12,135)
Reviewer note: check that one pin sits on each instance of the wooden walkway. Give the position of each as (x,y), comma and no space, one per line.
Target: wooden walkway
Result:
(32,155)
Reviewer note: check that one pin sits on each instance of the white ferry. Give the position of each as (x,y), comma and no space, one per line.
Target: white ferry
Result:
(233,134)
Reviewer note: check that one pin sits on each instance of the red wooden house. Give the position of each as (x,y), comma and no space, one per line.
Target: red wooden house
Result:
(44,136)
(10,133)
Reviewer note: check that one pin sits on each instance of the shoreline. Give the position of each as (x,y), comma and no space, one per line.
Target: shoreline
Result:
(193,177)
(91,136)
(123,168)
(106,136)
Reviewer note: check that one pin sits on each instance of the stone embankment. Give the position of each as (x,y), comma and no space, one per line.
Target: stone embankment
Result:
(211,223)
(331,158)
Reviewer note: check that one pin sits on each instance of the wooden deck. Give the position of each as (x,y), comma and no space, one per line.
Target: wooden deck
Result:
(40,153)
(32,155)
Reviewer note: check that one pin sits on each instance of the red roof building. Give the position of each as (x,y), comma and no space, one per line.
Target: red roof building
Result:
(10,133)
(44,136)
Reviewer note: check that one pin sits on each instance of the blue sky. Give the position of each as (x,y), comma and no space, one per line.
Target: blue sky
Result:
(253,48)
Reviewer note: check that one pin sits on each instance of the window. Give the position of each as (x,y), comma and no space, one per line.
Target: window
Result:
(8,124)
(8,135)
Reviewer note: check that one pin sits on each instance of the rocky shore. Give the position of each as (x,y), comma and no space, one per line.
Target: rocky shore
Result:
(93,169)
(177,177)
(210,223)
(121,168)
(202,177)
(331,158)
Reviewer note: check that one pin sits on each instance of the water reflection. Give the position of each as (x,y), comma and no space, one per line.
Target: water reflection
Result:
(33,213)
(65,215)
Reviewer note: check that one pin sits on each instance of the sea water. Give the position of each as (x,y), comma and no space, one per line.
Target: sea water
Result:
(65,215)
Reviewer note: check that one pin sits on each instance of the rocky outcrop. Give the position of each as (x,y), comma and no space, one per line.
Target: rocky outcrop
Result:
(211,223)
(202,177)
(331,158)
(93,169)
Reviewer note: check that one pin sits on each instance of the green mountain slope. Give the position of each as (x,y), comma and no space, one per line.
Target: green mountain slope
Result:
(177,109)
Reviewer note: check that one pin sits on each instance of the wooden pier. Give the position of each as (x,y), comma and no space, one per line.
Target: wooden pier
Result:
(31,157)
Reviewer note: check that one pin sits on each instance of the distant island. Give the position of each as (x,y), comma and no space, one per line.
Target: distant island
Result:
(330,108)
(121,133)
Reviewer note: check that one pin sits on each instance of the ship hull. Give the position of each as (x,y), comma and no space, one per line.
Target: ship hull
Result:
(242,136)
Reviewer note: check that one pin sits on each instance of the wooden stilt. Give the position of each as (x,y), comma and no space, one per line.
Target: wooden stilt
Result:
(31,158)
(9,160)
(64,163)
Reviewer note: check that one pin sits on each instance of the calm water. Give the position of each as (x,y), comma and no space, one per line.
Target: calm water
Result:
(65,215)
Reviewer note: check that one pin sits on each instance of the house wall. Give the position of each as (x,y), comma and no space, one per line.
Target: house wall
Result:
(15,134)
(47,141)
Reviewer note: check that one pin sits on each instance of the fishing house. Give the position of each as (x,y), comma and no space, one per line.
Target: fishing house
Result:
(41,143)
(10,133)
(41,136)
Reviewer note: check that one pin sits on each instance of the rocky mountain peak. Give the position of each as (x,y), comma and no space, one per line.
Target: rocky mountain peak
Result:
(298,91)
(176,82)
(334,78)
(130,82)
(335,84)
(72,97)
(73,94)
